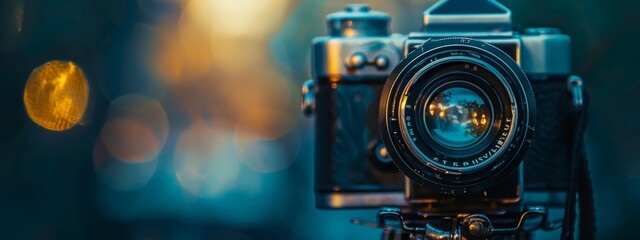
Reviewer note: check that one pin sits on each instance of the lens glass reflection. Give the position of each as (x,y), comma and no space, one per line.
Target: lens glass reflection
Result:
(457,117)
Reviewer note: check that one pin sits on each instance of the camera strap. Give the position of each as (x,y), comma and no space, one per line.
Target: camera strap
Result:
(580,182)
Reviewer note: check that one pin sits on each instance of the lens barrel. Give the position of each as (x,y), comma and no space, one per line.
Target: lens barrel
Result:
(457,115)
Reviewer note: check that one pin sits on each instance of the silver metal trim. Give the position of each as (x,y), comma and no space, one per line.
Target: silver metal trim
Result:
(308,105)
(545,52)
(545,198)
(576,87)
(359,200)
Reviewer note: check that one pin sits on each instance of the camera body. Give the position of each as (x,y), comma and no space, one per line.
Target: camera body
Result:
(354,165)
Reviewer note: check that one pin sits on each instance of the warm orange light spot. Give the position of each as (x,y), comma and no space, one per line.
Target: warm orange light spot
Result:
(383,152)
(334,60)
(336,201)
(192,43)
(166,57)
(240,18)
(349,32)
(56,95)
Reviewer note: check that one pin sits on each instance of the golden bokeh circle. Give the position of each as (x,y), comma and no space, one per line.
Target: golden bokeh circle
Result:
(56,95)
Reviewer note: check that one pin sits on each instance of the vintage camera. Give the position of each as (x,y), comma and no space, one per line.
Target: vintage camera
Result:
(452,107)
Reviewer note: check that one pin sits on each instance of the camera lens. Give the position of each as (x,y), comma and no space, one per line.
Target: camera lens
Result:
(457,115)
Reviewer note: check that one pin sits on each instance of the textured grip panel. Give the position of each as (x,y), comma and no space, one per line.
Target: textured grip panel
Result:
(346,136)
(350,149)
(546,164)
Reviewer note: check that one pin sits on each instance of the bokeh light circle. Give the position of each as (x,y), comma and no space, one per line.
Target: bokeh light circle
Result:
(268,155)
(205,160)
(130,140)
(235,19)
(193,41)
(119,175)
(56,95)
(136,129)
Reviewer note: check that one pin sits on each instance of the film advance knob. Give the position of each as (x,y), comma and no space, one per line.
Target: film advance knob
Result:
(356,60)
(381,61)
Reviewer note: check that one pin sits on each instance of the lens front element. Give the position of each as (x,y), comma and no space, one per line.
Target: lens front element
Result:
(458,117)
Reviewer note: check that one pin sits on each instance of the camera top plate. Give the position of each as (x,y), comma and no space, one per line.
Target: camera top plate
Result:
(468,18)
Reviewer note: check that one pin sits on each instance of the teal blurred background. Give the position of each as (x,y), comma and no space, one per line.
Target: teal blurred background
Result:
(207,93)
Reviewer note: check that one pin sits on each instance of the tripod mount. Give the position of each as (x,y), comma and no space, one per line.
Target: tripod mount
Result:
(414,225)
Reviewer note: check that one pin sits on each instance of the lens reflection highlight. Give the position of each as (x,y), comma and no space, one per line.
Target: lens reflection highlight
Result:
(458,117)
